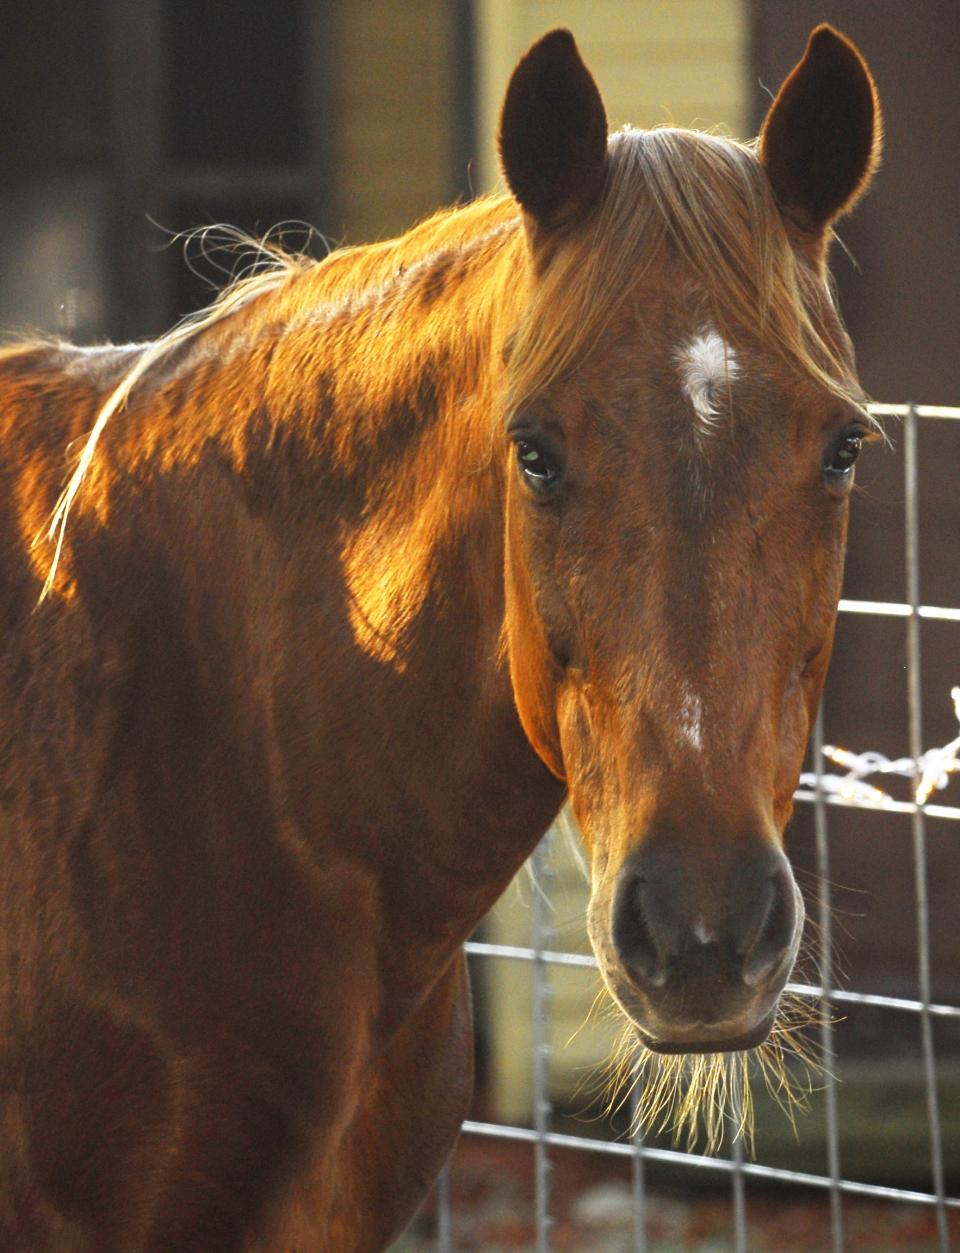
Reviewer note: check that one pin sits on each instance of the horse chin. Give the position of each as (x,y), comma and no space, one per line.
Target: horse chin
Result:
(732,1044)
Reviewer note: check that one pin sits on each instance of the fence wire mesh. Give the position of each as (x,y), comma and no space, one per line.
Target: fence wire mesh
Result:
(544,956)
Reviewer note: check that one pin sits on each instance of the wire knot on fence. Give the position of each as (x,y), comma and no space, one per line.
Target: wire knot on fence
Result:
(932,770)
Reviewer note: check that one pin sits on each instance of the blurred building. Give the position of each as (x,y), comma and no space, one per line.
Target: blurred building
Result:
(127,121)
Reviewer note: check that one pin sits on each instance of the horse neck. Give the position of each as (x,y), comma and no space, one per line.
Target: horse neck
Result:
(395,398)
(303,501)
(375,459)
(394,392)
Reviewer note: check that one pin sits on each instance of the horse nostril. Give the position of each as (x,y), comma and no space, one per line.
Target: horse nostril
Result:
(700,942)
(632,933)
(775,932)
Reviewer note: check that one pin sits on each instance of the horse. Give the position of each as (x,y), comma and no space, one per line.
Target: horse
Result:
(358,575)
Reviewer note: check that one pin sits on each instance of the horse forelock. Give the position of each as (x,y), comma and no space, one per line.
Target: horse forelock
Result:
(708,200)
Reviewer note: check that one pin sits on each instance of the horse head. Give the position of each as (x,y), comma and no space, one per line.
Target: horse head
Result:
(683,417)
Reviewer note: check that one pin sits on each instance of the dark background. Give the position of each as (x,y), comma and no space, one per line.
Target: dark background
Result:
(125,121)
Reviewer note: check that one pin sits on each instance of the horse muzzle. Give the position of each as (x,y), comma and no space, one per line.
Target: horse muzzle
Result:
(700,947)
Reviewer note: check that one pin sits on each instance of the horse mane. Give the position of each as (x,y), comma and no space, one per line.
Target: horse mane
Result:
(706,195)
(344,277)
(709,198)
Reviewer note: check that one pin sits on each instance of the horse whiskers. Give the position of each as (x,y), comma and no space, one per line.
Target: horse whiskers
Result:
(598,1078)
(709,1098)
(706,1097)
(602,1009)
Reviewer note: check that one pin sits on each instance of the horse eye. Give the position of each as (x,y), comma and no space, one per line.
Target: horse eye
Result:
(536,466)
(840,459)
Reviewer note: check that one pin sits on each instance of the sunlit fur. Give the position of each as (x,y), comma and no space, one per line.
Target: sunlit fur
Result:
(275,267)
(306,296)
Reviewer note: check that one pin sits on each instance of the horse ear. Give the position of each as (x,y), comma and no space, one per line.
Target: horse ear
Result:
(820,143)
(553,133)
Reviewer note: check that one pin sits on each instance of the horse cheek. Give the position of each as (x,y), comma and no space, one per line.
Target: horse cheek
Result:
(533,669)
(533,692)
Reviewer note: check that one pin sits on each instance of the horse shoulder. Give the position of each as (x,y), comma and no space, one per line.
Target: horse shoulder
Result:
(411,1104)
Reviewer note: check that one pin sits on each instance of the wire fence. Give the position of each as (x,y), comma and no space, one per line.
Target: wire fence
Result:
(815,791)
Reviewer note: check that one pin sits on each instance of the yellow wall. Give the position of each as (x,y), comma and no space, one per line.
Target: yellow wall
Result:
(582,1027)
(683,62)
(395,100)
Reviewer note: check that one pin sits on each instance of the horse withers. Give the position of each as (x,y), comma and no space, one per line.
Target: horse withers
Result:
(359,573)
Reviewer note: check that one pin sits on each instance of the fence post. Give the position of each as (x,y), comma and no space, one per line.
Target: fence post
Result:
(912,538)
(543,874)
(825,921)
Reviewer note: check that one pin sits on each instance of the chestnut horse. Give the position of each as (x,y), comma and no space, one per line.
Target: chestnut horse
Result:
(358,575)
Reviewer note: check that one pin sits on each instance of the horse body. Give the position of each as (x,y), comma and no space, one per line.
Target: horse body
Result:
(326,644)
(298,924)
